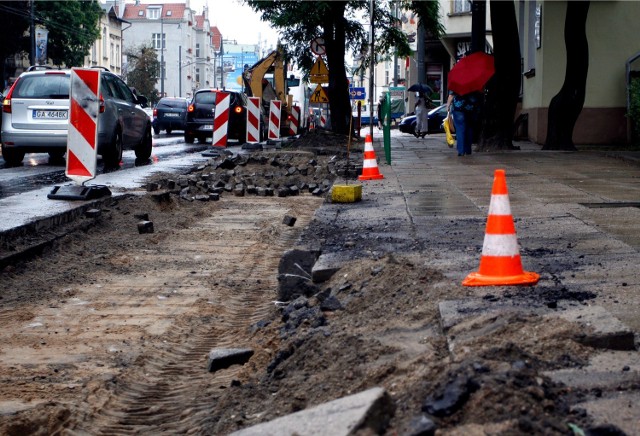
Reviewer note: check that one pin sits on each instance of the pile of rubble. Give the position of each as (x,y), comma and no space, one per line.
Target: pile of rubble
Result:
(281,173)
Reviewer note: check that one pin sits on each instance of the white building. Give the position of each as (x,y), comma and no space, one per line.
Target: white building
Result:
(184,42)
(107,49)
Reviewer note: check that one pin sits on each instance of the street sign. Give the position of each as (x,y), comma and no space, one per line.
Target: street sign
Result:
(319,72)
(317,46)
(357,94)
(319,96)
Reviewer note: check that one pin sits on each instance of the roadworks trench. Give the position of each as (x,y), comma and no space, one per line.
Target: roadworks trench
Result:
(108,332)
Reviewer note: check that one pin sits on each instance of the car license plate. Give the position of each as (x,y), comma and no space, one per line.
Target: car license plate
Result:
(171,115)
(50,115)
(207,127)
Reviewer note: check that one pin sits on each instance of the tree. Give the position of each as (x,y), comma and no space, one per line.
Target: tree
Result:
(73,28)
(14,20)
(337,23)
(565,107)
(501,101)
(143,71)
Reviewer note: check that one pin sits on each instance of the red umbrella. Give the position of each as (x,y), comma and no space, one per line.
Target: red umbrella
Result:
(471,73)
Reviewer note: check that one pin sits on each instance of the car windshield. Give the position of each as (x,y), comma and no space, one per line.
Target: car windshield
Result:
(55,86)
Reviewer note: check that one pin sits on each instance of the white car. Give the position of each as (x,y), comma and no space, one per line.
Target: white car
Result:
(35,117)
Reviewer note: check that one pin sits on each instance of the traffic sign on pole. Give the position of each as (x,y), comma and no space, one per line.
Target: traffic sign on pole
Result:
(357,94)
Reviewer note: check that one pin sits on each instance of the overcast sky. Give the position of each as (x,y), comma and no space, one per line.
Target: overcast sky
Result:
(237,21)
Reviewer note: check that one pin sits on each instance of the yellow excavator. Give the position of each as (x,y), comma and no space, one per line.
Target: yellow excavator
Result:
(257,84)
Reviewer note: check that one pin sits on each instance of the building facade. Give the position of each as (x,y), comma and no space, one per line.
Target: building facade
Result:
(187,45)
(106,51)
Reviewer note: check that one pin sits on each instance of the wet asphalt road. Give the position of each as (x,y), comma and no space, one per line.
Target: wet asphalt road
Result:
(38,171)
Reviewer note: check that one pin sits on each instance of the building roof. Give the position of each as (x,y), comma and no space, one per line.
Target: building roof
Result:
(170,11)
(216,38)
(199,21)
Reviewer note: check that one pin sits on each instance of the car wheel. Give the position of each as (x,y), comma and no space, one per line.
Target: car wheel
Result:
(156,130)
(202,139)
(168,131)
(12,156)
(143,150)
(188,138)
(113,155)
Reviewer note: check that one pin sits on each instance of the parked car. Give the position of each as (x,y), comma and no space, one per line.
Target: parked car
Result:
(170,114)
(365,115)
(434,117)
(200,114)
(35,117)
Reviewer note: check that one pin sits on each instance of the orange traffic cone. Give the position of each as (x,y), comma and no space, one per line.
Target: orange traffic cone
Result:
(500,263)
(370,165)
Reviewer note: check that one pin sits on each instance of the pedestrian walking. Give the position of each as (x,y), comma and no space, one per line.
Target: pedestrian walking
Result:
(422,118)
(464,109)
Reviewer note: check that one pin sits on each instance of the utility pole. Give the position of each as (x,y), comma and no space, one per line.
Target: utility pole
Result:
(161,56)
(371,71)
(32,29)
(179,71)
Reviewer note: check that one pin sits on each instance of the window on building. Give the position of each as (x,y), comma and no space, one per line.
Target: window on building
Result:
(158,40)
(112,54)
(94,52)
(117,60)
(104,41)
(153,13)
(197,50)
(461,6)
(198,75)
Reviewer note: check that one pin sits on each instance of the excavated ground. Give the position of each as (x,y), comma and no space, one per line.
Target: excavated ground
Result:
(107,330)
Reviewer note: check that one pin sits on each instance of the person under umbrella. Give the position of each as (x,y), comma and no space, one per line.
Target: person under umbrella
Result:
(422,116)
(466,82)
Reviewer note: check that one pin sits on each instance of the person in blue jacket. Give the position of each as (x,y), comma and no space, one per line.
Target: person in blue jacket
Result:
(464,109)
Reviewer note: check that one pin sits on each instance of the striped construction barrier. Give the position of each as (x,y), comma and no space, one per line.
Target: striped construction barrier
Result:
(253,120)
(221,119)
(274,119)
(323,120)
(370,165)
(82,137)
(500,263)
(294,121)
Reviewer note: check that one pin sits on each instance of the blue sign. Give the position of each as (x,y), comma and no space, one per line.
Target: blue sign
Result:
(357,94)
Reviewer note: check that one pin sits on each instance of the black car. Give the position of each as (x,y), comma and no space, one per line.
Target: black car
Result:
(200,114)
(435,117)
(170,114)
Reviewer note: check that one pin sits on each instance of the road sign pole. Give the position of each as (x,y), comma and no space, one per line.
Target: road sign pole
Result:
(386,126)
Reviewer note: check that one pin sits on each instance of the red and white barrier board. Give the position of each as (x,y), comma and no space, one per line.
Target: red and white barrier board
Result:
(221,119)
(82,138)
(274,119)
(323,120)
(295,120)
(253,120)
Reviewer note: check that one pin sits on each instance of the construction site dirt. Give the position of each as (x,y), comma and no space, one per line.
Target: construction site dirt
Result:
(107,328)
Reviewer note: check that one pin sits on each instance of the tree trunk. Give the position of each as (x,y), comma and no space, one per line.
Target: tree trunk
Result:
(565,107)
(501,100)
(338,93)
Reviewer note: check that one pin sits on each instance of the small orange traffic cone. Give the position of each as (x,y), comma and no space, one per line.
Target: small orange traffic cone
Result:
(370,164)
(500,263)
